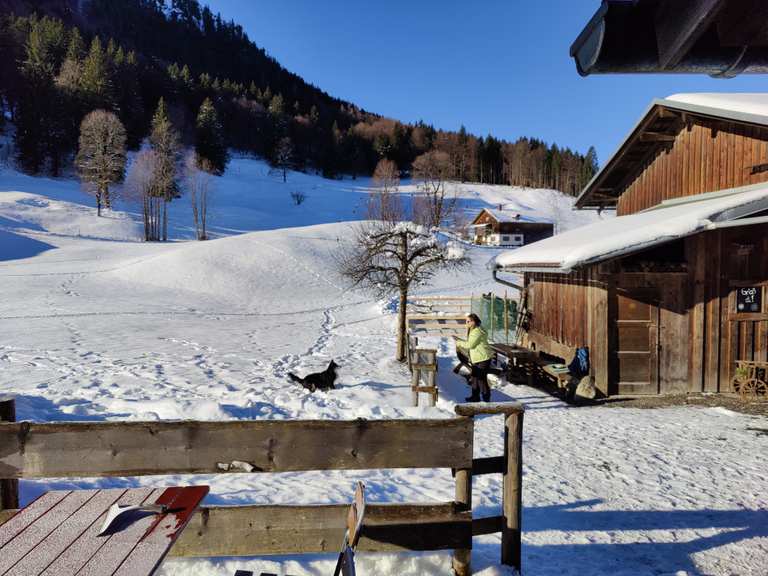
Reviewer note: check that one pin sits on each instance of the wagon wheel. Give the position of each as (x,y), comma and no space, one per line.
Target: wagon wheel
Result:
(752,387)
(762,388)
(741,380)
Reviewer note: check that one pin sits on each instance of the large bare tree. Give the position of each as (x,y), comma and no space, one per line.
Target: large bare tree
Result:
(384,201)
(198,181)
(389,259)
(435,203)
(100,158)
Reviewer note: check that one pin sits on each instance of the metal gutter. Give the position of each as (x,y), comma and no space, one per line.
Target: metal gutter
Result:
(505,282)
(623,37)
(738,223)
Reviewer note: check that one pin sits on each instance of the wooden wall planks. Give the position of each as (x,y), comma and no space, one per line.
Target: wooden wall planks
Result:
(708,155)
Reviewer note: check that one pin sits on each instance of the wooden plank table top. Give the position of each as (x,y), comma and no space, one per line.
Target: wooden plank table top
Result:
(513,351)
(58,534)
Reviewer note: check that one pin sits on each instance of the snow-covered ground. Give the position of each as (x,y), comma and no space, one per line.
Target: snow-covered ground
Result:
(96,325)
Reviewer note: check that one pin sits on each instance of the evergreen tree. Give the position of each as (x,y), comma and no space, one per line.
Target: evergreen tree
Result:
(97,82)
(38,120)
(209,139)
(164,140)
(129,102)
(100,159)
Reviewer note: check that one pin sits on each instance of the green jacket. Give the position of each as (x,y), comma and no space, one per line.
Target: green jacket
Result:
(477,344)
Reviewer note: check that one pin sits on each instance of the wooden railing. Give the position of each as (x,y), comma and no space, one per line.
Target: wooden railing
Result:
(77,449)
(422,362)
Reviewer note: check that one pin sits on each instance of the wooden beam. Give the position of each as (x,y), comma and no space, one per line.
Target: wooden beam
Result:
(657,137)
(491,465)
(145,448)
(263,530)
(680,24)
(490,525)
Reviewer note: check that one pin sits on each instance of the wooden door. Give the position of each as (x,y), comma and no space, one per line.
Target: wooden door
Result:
(637,343)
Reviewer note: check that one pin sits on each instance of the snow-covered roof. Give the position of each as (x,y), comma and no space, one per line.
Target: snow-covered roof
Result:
(510,217)
(750,108)
(624,235)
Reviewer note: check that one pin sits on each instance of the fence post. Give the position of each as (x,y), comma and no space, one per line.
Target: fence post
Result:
(9,487)
(506,318)
(512,469)
(462,558)
(512,500)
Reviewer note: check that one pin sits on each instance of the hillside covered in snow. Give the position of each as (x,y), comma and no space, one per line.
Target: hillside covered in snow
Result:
(97,325)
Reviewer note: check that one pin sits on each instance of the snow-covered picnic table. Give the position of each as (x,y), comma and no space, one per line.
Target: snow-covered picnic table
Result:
(62,533)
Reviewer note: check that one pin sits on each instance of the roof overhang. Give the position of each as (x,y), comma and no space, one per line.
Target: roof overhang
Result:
(624,235)
(658,128)
(722,38)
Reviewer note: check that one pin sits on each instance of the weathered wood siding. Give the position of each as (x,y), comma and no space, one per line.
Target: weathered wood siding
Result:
(706,156)
(569,311)
(720,262)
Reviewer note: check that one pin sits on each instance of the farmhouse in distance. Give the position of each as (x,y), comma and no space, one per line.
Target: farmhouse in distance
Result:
(507,228)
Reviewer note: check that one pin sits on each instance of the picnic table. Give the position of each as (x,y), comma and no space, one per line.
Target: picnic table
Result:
(58,534)
(514,352)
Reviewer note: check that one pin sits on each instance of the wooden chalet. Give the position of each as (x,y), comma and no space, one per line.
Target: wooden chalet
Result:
(508,228)
(670,294)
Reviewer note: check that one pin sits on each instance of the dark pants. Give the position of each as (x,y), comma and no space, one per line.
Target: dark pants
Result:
(480,378)
(463,358)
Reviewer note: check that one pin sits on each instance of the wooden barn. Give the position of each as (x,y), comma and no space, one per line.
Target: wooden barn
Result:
(507,228)
(669,295)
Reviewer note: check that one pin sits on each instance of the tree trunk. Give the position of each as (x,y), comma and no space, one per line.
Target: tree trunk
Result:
(284,175)
(401,326)
(98,203)
(107,199)
(165,220)
(401,309)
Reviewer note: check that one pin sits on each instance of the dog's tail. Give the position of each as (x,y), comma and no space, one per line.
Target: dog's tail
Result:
(303,381)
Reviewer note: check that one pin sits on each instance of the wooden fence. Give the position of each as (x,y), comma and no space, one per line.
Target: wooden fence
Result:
(77,449)
(422,362)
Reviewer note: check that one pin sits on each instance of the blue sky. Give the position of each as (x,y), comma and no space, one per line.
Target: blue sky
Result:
(496,66)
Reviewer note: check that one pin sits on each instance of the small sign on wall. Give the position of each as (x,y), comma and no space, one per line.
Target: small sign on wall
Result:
(749,299)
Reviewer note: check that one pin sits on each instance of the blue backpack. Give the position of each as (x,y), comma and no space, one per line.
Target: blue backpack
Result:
(579,366)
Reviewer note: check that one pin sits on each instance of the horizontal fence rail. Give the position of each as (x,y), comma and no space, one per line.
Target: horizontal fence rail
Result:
(97,449)
(30,450)
(265,530)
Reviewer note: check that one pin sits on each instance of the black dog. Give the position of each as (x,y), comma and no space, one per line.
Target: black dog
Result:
(319,380)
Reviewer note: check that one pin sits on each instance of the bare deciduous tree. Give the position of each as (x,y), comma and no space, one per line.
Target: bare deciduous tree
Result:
(284,155)
(384,202)
(387,258)
(140,184)
(434,204)
(101,157)
(199,184)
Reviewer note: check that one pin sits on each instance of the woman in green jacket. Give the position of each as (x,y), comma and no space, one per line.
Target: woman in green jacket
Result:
(480,354)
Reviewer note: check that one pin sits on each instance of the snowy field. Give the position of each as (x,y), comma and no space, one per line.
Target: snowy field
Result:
(95,325)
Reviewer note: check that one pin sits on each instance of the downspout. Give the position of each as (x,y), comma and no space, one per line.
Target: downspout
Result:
(506,282)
